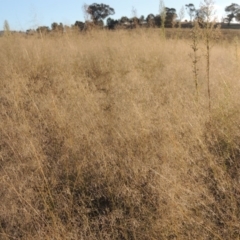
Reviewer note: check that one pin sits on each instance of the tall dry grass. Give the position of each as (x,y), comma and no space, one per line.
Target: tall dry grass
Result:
(101,137)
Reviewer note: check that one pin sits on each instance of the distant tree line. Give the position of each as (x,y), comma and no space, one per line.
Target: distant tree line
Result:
(150,21)
(232,11)
(99,12)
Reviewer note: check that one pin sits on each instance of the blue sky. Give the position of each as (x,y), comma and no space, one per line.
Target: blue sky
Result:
(25,14)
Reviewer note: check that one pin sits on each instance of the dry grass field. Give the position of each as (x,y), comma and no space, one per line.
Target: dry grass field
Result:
(102,137)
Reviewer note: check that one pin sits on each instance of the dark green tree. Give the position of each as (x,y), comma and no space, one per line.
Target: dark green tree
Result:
(142,18)
(191,10)
(157,20)
(80,25)
(233,11)
(135,21)
(150,20)
(111,23)
(200,15)
(43,29)
(99,12)
(124,20)
(57,27)
(54,26)
(170,17)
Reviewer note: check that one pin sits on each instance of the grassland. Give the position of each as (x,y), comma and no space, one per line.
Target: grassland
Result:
(102,137)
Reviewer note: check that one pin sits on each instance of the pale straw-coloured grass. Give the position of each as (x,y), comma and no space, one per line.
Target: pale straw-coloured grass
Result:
(102,138)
